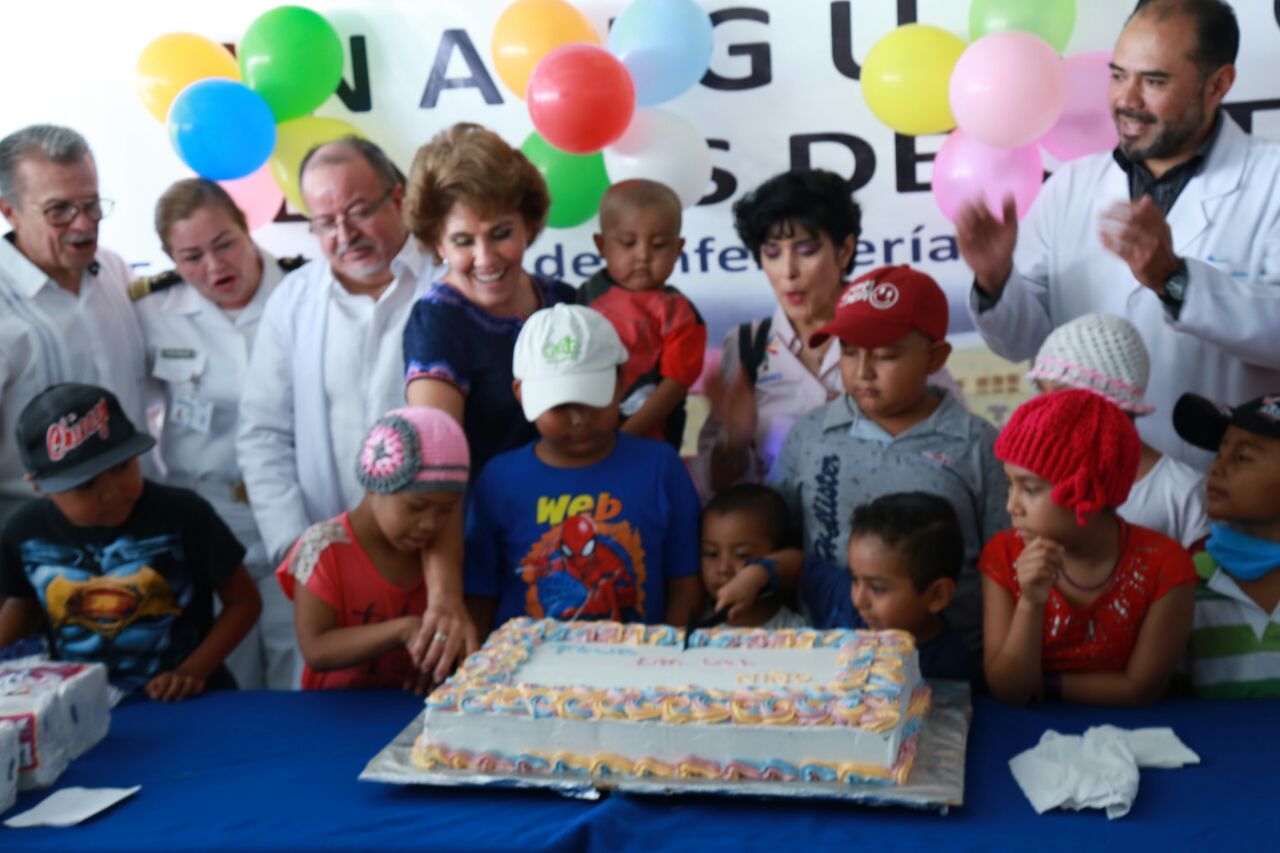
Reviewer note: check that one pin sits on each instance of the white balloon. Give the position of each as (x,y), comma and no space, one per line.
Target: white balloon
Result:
(662,147)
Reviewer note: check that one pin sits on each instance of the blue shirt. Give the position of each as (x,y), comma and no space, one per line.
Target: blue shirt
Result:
(597,542)
(452,339)
(825,590)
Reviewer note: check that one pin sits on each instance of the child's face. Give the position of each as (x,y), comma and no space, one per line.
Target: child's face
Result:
(729,541)
(574,432)
(883,592)
(805,269)
(1032,510)
(1244,482)
(890,380)
(411,521)
(640,246)
(106,500)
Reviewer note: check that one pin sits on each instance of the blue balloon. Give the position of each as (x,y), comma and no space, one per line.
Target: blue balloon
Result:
(222,129)
(665,44)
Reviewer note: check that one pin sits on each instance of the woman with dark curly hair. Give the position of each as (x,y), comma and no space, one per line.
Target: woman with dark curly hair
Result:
(477,203)
(802,228)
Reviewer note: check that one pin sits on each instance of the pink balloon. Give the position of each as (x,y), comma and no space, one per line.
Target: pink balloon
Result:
(257,194)
(1086,125)
(581,98)
(966,170)
(1008,88)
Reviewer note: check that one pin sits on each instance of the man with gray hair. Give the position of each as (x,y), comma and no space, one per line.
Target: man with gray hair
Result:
(327,361)
(65,315)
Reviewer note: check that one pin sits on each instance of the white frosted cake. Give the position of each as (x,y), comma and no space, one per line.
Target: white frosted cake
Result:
(604,699)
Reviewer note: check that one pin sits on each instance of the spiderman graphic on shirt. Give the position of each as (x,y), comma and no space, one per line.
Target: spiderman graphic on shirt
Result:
(584,569)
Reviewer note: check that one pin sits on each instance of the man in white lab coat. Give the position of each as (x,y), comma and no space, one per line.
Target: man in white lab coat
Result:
(1178,230)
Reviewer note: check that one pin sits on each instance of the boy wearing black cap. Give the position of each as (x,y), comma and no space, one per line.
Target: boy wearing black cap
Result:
(1235,638)
(119,570)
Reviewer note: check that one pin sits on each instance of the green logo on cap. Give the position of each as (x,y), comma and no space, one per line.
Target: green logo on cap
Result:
(568,348)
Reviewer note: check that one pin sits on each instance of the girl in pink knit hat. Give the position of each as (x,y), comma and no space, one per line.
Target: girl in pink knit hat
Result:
(1078,603)
(356,580)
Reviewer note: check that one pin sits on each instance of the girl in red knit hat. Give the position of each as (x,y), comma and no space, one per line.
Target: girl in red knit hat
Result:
(1079,604)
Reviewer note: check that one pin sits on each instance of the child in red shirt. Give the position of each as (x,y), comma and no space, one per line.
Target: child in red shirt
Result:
(356,580)
(1078,603)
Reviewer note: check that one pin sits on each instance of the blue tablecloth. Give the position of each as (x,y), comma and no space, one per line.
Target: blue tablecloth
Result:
(275,771)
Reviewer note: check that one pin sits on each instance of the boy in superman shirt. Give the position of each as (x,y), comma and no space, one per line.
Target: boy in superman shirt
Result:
(587,522)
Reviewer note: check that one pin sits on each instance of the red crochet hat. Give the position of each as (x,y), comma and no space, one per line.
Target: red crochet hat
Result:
(1080,442)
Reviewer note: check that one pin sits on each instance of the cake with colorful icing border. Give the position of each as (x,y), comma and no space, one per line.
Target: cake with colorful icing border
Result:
(603,699)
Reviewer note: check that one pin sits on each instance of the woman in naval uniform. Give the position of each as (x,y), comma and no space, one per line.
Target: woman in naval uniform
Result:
(199,321)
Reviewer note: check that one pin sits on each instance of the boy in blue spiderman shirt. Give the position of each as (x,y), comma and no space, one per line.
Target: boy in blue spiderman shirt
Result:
(586,522)
(118,570)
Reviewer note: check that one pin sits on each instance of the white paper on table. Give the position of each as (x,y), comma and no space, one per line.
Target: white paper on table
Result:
(1096,770)
(70,806)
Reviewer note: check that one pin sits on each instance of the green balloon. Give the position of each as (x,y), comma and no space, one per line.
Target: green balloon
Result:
(576,181)
(292,57)
(1052,20)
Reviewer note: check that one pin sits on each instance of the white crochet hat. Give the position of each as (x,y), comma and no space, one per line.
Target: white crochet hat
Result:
(1100,353)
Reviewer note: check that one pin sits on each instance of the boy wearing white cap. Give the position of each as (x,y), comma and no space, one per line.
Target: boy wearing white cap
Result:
(586,522)
(1105,354)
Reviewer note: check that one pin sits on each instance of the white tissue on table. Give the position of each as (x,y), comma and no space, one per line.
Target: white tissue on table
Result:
(69,806)
(61,709)
(1096,770)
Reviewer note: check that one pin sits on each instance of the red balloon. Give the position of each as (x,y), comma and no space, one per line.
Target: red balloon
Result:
(581,98)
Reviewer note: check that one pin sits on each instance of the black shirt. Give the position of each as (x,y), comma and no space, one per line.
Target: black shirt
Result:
(138,597)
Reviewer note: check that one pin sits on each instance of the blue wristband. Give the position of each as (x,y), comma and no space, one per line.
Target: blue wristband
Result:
(771,569)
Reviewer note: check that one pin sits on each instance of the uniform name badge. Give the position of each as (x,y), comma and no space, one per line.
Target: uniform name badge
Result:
(191,412)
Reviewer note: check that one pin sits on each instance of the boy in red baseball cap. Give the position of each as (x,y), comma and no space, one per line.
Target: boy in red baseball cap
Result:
(1079,604)
(892,431)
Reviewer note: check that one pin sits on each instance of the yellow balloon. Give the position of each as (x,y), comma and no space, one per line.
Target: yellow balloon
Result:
(905,78)
(174,61)
(530,29)
(293,140)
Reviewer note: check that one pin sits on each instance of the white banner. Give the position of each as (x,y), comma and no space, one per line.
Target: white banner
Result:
(782,92)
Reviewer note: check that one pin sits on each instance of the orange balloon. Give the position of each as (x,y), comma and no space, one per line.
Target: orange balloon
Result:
(173,61)
(530,29)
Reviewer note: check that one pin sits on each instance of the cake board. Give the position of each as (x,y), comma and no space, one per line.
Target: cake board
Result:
(936,781)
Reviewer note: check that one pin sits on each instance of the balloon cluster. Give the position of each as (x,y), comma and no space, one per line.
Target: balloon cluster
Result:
(593,108)
(1007,95)
(248,124)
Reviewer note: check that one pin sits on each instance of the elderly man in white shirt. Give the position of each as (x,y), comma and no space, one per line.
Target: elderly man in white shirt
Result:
(65,314)
(328,359)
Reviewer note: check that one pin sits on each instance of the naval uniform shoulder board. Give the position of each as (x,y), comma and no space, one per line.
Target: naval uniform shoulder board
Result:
(291,264)
(147,285)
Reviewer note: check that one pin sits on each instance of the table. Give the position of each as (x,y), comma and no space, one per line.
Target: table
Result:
(273,771)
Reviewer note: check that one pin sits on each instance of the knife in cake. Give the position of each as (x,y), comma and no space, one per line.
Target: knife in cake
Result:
(717,618)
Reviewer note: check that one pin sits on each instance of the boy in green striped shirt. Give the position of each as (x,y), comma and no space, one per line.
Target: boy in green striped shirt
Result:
(1235,639)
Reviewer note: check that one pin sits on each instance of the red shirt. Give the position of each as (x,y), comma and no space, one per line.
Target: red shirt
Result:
(329,561)
(1100,635)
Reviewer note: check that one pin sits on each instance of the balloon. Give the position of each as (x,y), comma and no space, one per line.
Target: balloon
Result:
(527,31)
(172,62)
(292,57)
(665,44)
(1052,20)
(221,129)
(1008,89)
(1086,125)
(662,147)
(257,195)
(966,169)
(293,140)
(581,98)
(577,181)
(904,78)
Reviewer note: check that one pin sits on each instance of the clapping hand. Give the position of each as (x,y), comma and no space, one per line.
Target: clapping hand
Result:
(986,243)
(1139,234)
